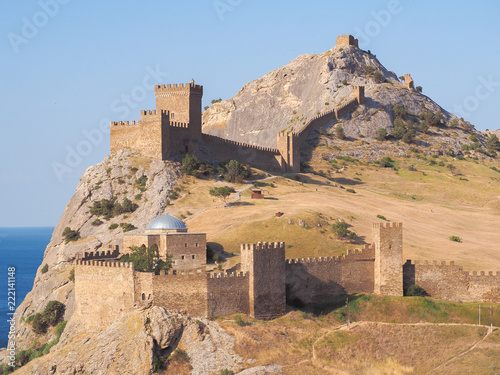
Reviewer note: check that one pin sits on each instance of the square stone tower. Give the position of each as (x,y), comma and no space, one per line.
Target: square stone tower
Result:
(388,238)
(183,101)
(265,264)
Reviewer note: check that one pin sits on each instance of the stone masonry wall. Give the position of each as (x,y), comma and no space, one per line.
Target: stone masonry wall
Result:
(265,264)
(185,292)
(388,239)
(103,291)
(314,280)
(227,294)
(450,282)
(259,157)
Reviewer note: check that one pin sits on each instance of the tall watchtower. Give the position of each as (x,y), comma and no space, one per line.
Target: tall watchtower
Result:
(265,264)
(183,101)
(388,238)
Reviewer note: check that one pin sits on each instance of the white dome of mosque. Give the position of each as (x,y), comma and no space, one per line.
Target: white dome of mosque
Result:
(166,222)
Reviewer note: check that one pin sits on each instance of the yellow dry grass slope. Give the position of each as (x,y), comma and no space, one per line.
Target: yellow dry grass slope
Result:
(438,198)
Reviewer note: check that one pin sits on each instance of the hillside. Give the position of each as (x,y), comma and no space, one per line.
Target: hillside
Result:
(286,98)
(431,182)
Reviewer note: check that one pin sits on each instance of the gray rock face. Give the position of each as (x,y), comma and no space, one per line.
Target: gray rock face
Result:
(286,98)
(116,177)
(127,347)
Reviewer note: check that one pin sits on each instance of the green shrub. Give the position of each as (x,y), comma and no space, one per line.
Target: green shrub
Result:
(412,168)
(415,291)
(351,191)
(147,259)
(340,229)
(113,226)
(222,192)
(127,227)
(225,371)
(190,165)
(381,217)
(387,162)
(455,239)
(96,222)
(70,235)
(378,77)
(110,207)
(344,82)
(381,134)
(45,268)
(39,324)
(53,312)
(236,172)
(239,321)
(460,157)
(138,197)
(339,132)
(71,276)
(60,328)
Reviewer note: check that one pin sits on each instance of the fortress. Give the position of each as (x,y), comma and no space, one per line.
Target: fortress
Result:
(175,128)
(264,281)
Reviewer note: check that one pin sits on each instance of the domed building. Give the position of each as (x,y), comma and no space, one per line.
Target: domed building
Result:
(170,234)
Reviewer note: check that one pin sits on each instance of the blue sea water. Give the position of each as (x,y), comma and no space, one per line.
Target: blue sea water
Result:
(23,249)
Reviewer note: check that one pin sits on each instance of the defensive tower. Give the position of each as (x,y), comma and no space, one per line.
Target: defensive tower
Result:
(388,273)
(265,264)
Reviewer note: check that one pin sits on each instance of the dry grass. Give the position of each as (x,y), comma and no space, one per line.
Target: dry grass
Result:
(306,344)
(432,204)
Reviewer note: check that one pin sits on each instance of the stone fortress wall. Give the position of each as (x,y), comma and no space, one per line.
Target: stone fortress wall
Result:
(103,290)
(175,128)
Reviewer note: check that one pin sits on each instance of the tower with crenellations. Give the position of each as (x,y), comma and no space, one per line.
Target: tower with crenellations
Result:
(388,272)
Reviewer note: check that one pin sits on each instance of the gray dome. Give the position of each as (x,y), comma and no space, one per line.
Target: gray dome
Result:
(166,222)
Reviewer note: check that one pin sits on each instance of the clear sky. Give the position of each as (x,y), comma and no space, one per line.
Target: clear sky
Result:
(68,67)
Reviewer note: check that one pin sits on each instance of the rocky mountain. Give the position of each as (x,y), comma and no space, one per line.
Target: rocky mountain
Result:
(286,98)
(145,182)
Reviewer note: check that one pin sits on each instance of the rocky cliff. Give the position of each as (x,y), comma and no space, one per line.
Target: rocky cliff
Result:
(144,182)
(286,98)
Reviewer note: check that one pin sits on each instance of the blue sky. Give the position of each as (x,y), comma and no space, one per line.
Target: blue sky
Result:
(70,66)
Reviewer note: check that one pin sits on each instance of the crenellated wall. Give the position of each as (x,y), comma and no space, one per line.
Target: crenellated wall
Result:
(450,282)
(103,291)
(259,157)
(265,264)
(227,294)
(315,280)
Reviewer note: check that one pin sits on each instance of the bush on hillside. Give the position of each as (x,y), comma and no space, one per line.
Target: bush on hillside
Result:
(415,291)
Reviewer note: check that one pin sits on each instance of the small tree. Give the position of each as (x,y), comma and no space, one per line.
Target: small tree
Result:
(235,171)
(53,312)
(339,132)
(70,235)
(222,192)
(381,134)
(147,259)
(190,165)
(378,77)
(492,143)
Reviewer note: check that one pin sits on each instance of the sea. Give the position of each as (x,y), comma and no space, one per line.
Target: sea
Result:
(21,248)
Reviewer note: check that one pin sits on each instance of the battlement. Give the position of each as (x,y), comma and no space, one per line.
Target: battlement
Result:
(482,274)
(176,124)
(179,87)
(239,144)
(427,263)
(153,112)
(220,275)
(388,225)
(346,108)
(126,123)
(366,253)
(263,246)
(99,254)
(97,263)
(306,126)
